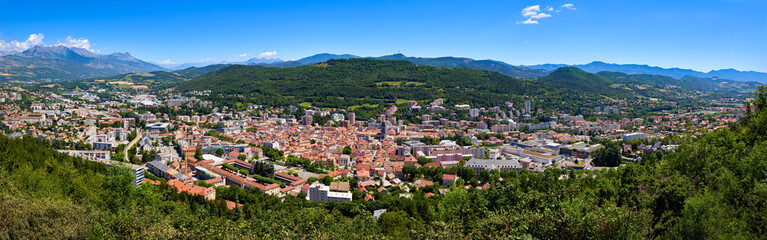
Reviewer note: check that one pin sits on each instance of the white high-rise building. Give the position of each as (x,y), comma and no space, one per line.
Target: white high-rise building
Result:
(473,112)
(527,106)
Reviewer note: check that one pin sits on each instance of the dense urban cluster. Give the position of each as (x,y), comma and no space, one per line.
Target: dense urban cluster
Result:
(329,154)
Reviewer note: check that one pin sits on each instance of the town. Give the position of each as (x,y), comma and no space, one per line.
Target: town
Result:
(330,155)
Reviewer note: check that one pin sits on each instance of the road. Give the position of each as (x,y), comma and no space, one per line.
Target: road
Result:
(132,142)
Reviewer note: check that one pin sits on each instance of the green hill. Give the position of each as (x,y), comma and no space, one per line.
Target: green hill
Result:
(353,82)
(576,78)
(457,62)
(442,62)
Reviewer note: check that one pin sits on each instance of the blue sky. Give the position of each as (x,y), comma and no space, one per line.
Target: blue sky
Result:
(701,35)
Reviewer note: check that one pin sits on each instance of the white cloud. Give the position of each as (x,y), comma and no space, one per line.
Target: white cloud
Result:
(76,42)
(243,55)
(168,62)
(528,21)
(534,12)
(540,15)
(531,10)
(268,54)
(16,46)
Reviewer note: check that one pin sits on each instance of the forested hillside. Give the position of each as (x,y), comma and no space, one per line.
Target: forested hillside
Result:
(458,62)
(621,85)
(575,78)
(354,82)
(713,187)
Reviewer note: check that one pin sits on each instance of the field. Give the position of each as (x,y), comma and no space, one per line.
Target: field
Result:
(400,83)
(363,106)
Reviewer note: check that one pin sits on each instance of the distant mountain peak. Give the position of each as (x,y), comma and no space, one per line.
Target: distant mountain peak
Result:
(125,54)
(69,63)
(257,60)
(322,57)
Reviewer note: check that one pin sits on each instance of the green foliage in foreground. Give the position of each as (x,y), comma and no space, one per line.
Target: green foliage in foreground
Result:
(713,187)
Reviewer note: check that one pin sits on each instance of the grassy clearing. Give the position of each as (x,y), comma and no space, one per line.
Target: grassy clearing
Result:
(399,83)
(143,74)
(363,105)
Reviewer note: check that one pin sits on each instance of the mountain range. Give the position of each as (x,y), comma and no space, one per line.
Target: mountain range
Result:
(618,84)
(678,73)
(48,63)
(355,82)
(529,71)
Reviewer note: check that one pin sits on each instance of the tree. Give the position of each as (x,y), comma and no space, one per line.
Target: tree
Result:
(198,153)
(424,160)
(430,140)
(262,168)
(347,150)
(474,182)
(202,183)
(609,156)
(484,174)
(410,171)
(220,152)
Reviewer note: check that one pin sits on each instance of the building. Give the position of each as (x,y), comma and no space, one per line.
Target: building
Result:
(352,118)
(449,179)
(462,107)
(158,168)
(234,179)
(540,156)
(32,118)
(289,179)
(194,190)
(230,130)
(337,117)
(579,149)
(158,126)
(306,120)
(527,106)
(87,154)
(492,164)
(320,193)
(344,160)
(474,112)
(633,136)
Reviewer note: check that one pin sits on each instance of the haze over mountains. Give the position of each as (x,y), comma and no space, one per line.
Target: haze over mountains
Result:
(678,73)
(42,63)
(49,63)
